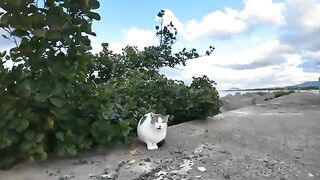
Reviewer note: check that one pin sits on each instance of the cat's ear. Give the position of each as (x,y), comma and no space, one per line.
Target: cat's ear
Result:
(165,118)
(153,118)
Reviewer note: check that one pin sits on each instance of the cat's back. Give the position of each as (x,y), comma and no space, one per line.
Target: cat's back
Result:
(144,120)
(142,128)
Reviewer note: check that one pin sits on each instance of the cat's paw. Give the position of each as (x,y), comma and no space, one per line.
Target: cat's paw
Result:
(152,147)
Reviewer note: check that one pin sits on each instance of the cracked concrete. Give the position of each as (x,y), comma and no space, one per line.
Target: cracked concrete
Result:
(276,139)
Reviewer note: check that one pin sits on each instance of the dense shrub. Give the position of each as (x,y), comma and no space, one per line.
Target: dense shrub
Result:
(52,101)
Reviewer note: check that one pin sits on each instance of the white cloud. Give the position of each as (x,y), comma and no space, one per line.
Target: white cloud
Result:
(95,44)
(222,24)
(269,76)
(140,38)
(135,37)
(303,14)
(302,25)
(263,11)
(117,47)
(216,24)
(278,65)
(314,55)
(256,39)
(268,53)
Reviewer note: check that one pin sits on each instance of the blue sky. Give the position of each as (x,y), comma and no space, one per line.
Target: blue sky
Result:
(259,43)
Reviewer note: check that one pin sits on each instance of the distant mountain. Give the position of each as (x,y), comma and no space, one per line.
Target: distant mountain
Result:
(307,84)
(234,89)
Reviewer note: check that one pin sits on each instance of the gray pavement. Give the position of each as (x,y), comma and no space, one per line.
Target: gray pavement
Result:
(276,139)
(233,102)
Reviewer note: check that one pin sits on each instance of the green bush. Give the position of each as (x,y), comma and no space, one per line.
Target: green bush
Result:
(51,101)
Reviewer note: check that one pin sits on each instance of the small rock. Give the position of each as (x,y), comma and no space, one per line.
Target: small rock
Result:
(70,176)
(106,176)
(226,176)
(134,152)
(83,161)
(202,169)
(197,177)
(132,161)
(65,177)
(298,149)
(127,167)
(147,160)
(178,152)
(161,173)
(91,175)
(203,161)
(62,178)
(50,173)
(310,175)
(271,163)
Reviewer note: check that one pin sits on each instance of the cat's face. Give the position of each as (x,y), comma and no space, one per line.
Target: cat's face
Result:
(159,121)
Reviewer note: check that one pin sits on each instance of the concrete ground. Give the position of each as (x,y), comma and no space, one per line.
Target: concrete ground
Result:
(276,139)
(237,101)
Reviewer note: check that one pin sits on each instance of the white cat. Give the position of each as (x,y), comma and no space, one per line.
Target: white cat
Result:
(152,129)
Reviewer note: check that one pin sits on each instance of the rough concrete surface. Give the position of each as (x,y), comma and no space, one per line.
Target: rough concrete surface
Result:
(277,139)
(233,102)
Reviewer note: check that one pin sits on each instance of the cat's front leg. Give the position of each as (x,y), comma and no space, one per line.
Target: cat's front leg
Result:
(151,146)
(155,146)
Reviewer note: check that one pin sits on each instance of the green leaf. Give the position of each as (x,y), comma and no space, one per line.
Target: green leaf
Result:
(39,32)
(26,146)
(60,136)
(94,15)
(94,4)
(87,143)
(43,155)
(19,32)
(41,97)
(92,33)
(39,137)
(5,142)
(52,35)
(7,162)
(7,57)
(29,135)
(22,125)
(31,158)
(57,102)
(71,150)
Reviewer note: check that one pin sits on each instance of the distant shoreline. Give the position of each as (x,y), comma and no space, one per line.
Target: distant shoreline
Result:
(273,89)
(242,91)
